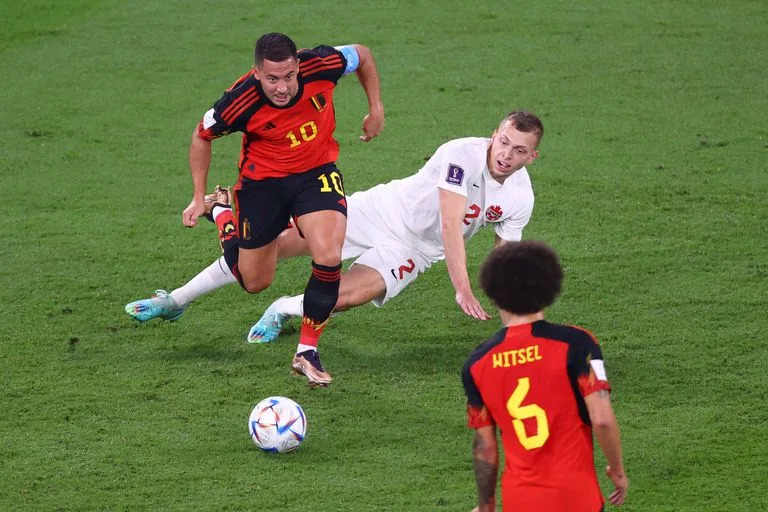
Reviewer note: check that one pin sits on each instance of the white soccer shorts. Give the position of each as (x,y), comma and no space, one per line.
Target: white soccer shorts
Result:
(374,245)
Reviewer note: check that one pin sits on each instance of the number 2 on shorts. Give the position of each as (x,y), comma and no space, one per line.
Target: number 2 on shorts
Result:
(521,412)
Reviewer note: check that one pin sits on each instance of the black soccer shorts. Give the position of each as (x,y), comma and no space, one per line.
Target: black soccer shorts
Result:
(264,207)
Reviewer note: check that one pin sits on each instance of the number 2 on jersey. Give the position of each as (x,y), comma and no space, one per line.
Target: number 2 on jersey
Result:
(521,412)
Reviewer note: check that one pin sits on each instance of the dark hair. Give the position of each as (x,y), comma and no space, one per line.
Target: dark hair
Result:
(526,122)
(274,46)
(522,277)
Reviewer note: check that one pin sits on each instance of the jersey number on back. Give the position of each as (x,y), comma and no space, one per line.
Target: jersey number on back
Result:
(521,412)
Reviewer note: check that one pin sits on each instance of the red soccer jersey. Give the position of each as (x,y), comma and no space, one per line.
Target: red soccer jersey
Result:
(530,381)
(278,141)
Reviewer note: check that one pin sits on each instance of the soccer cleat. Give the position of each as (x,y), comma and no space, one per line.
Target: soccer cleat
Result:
(159,305)
(219,197)
(308,364)
(268,327)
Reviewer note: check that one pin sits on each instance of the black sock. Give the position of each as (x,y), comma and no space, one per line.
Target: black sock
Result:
(322,292)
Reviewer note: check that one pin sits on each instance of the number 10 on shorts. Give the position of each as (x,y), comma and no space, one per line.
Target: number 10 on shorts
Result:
(331,179)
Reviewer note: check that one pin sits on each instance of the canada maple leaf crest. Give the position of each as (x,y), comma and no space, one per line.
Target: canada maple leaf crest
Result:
(493,213)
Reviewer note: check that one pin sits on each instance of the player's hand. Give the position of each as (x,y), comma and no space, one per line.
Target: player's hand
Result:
(620,485)
(190,214)
(373,123)
(471,306)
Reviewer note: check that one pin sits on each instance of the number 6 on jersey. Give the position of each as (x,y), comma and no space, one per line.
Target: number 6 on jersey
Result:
(521,412)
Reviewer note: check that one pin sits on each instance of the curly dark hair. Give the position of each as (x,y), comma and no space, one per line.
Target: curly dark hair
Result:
(274,46)
(522,277)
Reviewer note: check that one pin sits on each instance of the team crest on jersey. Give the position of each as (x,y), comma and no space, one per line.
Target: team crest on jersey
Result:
(455,174)
(493,213)
(318,102)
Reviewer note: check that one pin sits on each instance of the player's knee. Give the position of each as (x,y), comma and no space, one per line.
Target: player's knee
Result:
(328,259)
(256,284)
(326,253)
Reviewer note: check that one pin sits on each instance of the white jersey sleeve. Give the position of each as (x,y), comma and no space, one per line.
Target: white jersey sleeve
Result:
(458,165)
(511,227)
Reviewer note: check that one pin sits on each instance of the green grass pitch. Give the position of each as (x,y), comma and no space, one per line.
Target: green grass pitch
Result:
(652,184)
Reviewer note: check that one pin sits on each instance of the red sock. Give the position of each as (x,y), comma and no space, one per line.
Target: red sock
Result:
(310,331)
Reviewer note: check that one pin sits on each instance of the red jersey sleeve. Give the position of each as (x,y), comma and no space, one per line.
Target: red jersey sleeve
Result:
(587,366)
(478,417)
(231,112)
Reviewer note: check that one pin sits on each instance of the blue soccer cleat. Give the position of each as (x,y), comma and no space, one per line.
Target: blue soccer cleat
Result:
(159,305)
(268,327)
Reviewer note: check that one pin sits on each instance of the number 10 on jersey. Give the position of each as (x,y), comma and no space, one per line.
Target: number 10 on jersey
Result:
(307,131)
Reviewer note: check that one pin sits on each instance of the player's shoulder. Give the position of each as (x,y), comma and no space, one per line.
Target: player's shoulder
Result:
(484,348)
(521,177)
(241,98)
(517,188)
(321,51)
(472,145)
(244,83)
(470,153)
(571,334)
(317,62)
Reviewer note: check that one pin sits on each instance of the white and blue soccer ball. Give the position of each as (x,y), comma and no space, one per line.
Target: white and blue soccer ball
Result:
(277,424)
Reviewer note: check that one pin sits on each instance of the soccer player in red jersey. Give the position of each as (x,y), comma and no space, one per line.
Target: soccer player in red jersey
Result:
(284,108)
(544,386)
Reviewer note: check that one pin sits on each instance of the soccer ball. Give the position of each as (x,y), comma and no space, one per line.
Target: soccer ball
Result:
(277,424)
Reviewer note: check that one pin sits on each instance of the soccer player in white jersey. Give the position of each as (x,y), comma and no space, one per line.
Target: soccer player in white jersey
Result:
(397,230)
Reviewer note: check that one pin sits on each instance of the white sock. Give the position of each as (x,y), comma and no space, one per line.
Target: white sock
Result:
(216,275)
(290,306)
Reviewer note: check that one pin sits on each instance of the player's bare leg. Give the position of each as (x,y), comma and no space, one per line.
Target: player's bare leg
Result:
(256,267)
(324,232)
(290,244)
(359,285)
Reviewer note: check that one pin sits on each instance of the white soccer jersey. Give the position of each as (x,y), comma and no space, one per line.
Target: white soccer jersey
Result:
(409,208)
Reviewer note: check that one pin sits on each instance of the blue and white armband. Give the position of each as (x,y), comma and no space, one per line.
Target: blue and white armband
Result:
(353,58)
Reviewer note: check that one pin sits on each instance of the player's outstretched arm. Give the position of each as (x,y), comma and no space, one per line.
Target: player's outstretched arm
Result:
(368,74)
(199,161)
(606,430)
(485,460)
(452,208)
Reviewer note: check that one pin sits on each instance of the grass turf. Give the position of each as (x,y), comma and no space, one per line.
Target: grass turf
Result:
(651,184)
